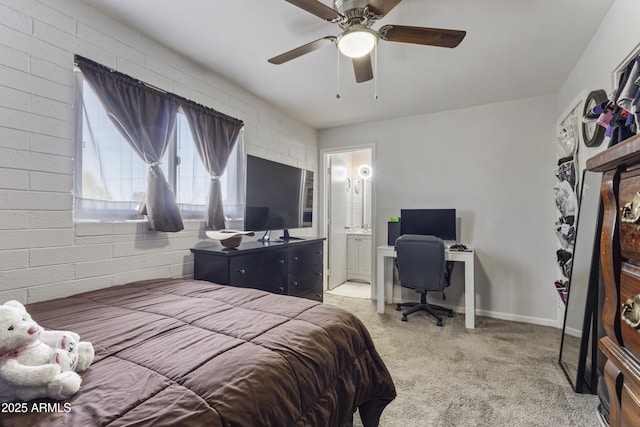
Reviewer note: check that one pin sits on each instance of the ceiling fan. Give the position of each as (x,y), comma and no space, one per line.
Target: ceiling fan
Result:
(357,40)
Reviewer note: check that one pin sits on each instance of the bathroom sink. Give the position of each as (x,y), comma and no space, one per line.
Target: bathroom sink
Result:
(358,231)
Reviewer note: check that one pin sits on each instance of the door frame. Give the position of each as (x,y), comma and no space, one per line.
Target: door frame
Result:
(324,204)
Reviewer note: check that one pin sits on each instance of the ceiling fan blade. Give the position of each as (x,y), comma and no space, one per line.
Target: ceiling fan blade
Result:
(317,8)
(302,50)
(362,67)
(421,35)
(382,7)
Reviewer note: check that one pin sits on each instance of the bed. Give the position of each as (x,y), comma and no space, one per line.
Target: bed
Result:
(191,353)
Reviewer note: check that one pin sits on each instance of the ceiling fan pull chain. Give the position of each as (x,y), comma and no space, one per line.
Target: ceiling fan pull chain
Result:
(375,73)
(338,75)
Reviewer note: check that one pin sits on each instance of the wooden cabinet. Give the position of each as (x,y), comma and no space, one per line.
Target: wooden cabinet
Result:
(289,268)
(620,255)
(359,257)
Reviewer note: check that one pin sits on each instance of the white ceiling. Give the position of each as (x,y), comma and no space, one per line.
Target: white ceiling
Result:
(513,49)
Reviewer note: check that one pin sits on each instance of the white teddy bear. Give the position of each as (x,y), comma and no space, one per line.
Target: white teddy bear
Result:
(35,363)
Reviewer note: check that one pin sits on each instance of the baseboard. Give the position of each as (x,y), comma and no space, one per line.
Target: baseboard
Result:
(502,316)
(519,318)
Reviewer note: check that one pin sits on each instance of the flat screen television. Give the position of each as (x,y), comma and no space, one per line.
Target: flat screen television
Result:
(278,197)
(436,222)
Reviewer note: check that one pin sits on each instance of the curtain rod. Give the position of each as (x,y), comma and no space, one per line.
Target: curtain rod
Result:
(182,100)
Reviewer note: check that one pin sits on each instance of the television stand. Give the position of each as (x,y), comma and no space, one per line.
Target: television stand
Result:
(290,268)
(284,238)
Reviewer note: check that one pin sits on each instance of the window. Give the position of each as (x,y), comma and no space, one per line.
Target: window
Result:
(110,179)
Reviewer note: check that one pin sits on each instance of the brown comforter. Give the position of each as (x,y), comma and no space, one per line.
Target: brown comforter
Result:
(191,353)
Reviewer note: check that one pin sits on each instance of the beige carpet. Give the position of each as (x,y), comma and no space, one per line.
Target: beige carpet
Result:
(499,374)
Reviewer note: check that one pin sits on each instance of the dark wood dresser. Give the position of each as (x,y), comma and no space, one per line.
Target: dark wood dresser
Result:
(289,268)
(620,258)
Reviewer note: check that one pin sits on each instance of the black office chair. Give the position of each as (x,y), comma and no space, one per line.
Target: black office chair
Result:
(422,266)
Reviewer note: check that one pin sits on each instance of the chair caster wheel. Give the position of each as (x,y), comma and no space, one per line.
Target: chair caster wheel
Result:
(439,323)
(450,315)
(404,318)
(398,308)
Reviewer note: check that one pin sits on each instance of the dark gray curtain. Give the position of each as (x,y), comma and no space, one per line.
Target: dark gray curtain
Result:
(215,135)
(146,118)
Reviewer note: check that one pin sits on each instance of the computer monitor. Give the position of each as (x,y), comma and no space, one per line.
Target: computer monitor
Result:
(436,222)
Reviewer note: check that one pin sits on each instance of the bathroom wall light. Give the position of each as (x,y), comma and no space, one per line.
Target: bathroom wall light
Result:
(364,171)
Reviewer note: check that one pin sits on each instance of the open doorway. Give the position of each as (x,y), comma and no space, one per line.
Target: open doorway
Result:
(348,209)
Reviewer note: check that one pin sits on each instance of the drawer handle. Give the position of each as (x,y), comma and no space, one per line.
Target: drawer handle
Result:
(242,271)
(630,212)
(295,258)
(281,261)
(631,312)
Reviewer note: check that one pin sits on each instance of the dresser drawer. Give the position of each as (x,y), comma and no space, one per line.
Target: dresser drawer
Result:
(630,405)
(303,256)
(253,270)
(629,231)
(308,280)
(629,290)
(630,393)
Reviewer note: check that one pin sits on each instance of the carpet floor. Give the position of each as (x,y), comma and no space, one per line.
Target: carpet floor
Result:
(500,374)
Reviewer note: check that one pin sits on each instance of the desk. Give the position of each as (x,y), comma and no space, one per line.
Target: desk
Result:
(384,279)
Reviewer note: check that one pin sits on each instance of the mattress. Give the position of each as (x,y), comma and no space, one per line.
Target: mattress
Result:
(192,353)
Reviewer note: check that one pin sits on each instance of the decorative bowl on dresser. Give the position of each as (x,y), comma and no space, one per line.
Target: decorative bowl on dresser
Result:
(620,258)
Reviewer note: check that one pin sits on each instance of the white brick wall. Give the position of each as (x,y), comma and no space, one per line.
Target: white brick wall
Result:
(43,253)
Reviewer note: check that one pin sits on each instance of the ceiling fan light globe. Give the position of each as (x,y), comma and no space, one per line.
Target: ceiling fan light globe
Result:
(357,43)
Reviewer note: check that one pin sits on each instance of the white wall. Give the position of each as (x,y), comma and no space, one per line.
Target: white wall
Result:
(43,253)
(495,165)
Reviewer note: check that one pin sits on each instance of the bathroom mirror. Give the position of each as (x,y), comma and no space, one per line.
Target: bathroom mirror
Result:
(359,193)
(578,348)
